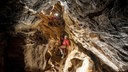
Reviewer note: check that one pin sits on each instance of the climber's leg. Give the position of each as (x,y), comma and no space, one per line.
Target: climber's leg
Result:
(62,50)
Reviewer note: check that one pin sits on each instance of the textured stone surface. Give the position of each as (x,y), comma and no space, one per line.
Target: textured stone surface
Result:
(98,31)
(107,25)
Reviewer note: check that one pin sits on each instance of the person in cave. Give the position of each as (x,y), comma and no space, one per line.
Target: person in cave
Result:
(64,45)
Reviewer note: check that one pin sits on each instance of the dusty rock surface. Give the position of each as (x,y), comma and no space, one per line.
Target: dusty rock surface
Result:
(30,35)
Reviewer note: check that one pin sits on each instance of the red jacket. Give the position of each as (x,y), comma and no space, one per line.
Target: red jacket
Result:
(65,42)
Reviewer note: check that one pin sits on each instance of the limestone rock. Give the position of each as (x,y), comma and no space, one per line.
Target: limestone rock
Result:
(30,35)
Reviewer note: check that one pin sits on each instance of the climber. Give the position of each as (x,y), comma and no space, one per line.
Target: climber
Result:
(65,44)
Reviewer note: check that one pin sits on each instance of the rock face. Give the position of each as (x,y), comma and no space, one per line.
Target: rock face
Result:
(104,25)
(30,35)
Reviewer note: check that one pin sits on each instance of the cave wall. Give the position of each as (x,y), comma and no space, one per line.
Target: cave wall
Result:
(13,53)
(102,25)
(99,26)
(11,44)
(103,17)
(2,47)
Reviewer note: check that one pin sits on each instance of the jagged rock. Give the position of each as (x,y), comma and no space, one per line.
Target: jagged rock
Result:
(103,20)
(30,36)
